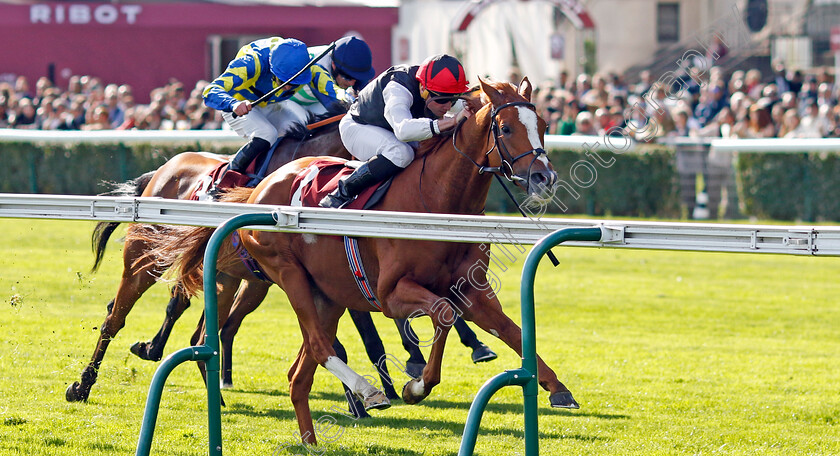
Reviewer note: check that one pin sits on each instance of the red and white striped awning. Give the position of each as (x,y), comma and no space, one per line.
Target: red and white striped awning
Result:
(572,9)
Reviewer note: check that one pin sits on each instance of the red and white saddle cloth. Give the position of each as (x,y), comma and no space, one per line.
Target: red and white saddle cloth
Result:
(230,179)
(321,177)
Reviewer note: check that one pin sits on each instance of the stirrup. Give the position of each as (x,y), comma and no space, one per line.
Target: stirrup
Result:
(334,201)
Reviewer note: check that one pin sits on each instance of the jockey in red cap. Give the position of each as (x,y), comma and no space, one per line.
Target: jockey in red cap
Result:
(403,105)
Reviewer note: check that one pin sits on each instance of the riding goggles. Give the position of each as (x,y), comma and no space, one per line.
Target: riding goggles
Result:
(443,98)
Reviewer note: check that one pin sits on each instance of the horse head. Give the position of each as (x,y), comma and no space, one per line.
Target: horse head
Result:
(517,133)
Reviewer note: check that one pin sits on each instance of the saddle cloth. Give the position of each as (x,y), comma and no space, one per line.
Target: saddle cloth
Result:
(321,177)
(230,179)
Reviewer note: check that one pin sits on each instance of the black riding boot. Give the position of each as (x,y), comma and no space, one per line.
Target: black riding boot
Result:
(248,153)
(374,170)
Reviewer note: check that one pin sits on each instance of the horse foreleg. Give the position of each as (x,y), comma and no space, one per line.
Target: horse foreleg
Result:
(250,295)
(487,313)
(480,352)
(134,282)
(374,349)
(153,350)
(416,361)
(411,298)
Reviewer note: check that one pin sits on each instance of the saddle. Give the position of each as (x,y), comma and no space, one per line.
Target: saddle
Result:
(321,177)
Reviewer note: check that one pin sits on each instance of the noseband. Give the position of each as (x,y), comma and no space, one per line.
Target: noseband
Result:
(505,169)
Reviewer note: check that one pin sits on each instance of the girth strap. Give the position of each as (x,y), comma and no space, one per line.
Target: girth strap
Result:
(247,259)
(351,247)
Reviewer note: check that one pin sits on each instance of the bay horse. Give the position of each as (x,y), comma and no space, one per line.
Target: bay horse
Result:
(411,278)
(176,179)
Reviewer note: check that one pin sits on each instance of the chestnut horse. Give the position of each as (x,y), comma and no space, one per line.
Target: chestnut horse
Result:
(176,179)
(411,278)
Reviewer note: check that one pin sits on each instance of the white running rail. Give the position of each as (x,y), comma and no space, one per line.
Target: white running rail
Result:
(711,237)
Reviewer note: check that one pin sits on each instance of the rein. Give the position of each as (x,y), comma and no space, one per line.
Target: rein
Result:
(505,169)
(326,121)
(499,171)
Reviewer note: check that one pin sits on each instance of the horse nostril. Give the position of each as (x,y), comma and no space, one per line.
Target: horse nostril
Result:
(540,179)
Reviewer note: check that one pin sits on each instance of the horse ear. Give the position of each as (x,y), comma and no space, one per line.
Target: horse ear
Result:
(473,99)
(525,88)
(494,95)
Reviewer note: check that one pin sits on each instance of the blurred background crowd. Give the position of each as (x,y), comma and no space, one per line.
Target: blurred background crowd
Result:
(87,103)
(744,104)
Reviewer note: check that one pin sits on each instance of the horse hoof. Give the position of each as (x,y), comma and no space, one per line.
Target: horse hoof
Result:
(225,385)
(563,399)
(414,370)
(483,354)
(413,392)
(377,401)
(74,395)
(141,350)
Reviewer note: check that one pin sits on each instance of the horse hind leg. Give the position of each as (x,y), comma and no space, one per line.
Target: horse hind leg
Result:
(327,314)
(354,405)
(135,281)
(153,350)
(226,286)
(249,296)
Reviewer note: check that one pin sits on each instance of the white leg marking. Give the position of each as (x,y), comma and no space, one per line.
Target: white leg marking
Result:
(349,377)
(417,387)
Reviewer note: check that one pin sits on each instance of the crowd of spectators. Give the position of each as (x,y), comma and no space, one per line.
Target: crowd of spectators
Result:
(89,104)
(786,104)
(747,104)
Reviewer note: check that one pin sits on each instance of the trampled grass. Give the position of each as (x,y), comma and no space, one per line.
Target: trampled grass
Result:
(668,353)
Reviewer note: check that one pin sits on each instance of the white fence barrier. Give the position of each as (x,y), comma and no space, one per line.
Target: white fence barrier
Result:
(228,137)
(793,240)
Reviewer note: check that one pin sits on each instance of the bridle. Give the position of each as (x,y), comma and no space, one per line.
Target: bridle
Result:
(505,168)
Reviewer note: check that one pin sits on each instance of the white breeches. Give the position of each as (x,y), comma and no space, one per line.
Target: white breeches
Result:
(267,122)
(365,141)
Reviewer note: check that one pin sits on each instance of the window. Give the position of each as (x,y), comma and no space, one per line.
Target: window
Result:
(667,22)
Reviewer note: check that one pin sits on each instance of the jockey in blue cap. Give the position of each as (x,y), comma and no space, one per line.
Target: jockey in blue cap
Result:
(337,77)
(259,67)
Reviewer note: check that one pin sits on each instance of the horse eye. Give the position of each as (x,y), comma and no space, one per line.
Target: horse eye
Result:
(505,129)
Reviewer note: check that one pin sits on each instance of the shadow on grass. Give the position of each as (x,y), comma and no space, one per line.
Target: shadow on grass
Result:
(381,419)
(235,408)
(492,407)
(264,392)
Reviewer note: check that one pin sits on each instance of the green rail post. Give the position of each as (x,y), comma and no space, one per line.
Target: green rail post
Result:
(208,352)
(527,375)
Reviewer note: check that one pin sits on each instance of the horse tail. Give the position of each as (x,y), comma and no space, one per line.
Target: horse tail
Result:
(103,230)
(180,249)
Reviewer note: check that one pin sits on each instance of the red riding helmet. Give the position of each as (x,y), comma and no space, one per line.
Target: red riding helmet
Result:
(443,74)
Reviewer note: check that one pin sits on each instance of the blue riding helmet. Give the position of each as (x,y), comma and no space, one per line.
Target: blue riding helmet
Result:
(352,57)
(289,57)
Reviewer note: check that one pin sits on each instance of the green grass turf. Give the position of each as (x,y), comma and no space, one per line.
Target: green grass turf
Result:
(668,353)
